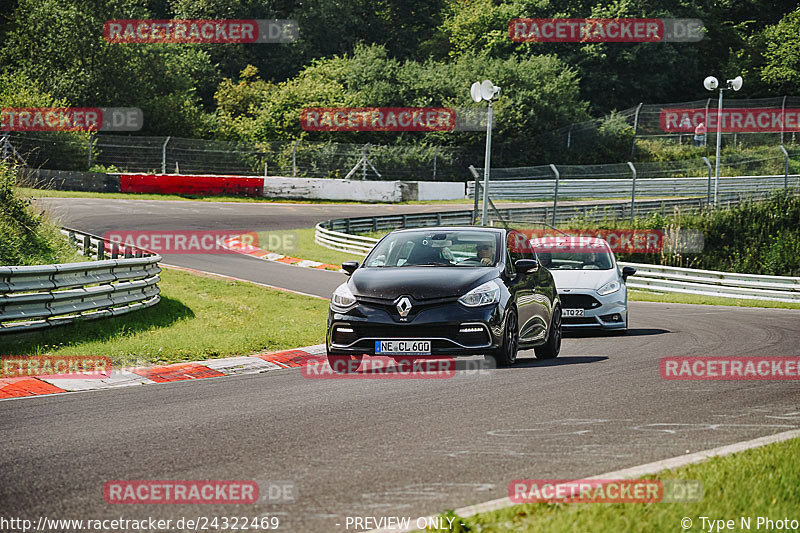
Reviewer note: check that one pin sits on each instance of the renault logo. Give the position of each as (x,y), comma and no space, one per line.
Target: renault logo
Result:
(404,306)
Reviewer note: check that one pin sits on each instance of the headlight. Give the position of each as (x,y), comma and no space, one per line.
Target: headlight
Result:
(608,288)
(343,297)
(488,293)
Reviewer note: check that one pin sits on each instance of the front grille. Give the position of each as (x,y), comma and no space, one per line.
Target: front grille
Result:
(405,331)
(567,320)
(578,301)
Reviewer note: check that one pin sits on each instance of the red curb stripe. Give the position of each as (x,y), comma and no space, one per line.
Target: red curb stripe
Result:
(19,387)
(290,358)
(177,372)
(289,260)
(258,253)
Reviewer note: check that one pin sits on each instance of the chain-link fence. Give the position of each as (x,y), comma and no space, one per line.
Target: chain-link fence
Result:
(196,156)
(648,122)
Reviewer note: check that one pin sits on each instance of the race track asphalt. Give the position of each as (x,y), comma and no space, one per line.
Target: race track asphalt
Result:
(389,447)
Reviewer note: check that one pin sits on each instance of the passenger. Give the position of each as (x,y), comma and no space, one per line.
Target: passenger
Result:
(485,253)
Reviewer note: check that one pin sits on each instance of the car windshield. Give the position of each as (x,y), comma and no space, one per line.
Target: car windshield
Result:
(576,259)
(460,248)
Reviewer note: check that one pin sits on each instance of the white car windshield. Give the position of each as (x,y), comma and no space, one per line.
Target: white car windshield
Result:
(461,248)
(578,260)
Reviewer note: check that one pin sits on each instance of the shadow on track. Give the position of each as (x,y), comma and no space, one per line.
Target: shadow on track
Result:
(559,361)
(633,332)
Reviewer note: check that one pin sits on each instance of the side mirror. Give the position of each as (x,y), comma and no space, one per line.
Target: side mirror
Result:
(349,267)
(628,271)
(524,266)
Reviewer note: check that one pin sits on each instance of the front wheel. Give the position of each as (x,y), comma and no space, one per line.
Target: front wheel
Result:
(345,364)
(552,347)
(506,355)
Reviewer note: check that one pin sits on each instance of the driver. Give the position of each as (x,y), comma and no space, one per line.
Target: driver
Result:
(485,253)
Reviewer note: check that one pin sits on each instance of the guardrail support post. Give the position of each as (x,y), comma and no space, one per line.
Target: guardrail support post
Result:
(635,128)
(785,166)
(435,157)
(101,250)
(294,158)
(87,246)
(164,155)
(555,192)
(114,250)
(783,118)
(475,175)
(708,164)
(91,145)
(633,188)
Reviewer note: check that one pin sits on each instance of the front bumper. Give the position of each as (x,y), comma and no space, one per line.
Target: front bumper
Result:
(608,312)
(452,328)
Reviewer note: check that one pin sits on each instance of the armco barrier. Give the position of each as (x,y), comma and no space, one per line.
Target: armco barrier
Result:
(538,188)
(39,296)
(336,234)
(714,283)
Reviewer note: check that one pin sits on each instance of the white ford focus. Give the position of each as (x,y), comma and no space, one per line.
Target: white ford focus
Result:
(589,282)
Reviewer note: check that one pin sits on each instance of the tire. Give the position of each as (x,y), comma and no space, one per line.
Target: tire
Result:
(506,355)
(552,347)
(345,364)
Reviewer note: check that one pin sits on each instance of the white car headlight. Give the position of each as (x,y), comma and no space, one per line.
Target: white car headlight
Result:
(608,288)
(343,297)
(487,293)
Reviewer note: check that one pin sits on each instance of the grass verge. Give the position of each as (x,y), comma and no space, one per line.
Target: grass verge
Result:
(199,317)
(304,247)
(761,482)
(680,298)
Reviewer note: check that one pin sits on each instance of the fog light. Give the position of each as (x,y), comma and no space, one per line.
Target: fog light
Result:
(344,330)
(470,330)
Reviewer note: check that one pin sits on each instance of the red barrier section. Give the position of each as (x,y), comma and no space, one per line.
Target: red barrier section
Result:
(184,184)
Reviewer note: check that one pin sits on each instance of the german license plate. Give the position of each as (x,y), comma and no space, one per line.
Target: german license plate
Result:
(573,312)
(403,347)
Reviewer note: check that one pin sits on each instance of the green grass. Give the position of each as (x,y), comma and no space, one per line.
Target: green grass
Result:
(762,481)
(28,238)
(680,298)
(304,247)
(198,317)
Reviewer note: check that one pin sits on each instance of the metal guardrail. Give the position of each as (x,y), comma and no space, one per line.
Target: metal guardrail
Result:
(338,233)
(542,189)
(649,277)
(39,296)
(714,283)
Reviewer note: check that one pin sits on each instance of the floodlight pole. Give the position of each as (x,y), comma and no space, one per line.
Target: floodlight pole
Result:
(486,167)
(719,144)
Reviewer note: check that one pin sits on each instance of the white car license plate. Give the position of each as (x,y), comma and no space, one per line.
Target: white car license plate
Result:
(404,347)
(573,312)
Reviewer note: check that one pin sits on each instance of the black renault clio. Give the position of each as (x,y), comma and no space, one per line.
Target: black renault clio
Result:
(445,291)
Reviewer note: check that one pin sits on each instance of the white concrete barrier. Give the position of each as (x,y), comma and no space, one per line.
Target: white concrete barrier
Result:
(358,190)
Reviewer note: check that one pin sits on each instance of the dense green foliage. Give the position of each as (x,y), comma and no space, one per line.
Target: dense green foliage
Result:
(25,237)
(756,237)
(392,53)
